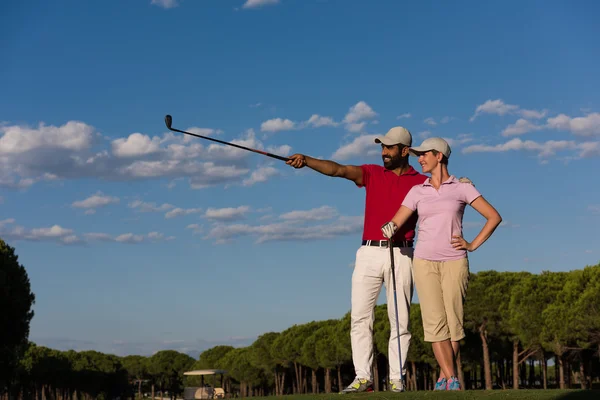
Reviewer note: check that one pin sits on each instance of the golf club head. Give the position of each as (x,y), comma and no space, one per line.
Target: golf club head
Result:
(168,121)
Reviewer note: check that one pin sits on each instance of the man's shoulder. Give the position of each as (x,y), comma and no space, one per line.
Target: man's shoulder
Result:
(419,178)
(372,169)
(371,166)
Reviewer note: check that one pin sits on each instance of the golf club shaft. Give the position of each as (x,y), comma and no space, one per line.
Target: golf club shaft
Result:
(168,121)
(396,306)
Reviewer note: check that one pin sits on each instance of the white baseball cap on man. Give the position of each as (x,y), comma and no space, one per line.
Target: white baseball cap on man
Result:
(396,135)
(433,143)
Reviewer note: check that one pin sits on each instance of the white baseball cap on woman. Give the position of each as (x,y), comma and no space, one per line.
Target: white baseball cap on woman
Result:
(434,143)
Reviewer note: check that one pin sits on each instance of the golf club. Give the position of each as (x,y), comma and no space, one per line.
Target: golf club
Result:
(169,121)
(396,307)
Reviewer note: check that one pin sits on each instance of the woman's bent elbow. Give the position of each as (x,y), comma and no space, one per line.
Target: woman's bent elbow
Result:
(497,219)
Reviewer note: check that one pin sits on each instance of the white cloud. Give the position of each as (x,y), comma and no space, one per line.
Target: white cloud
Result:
(227,213)
(277,125)
(165,3)
(127,238)
(212,174)
(171,210)
(261,174)
(98,236)
(71,239)
(545,149)
(316,214)
(195,228)
(589,149)
(177,212)
(343,225)
(356,115)
(142,206)
(424,134)
(498,107)
(430,121)
(283,150)
(95,201)
(581,126)
(259,3)
(317,121)
(231,153)
(135,145)
(73,136)
(61,235)
(459,140)
(203,131)
(356,127)
(594,208)
(533,114)
(520,127)
(361,146)
(54,233)
(358,112)
(405,115)
(354,120)
(75,151)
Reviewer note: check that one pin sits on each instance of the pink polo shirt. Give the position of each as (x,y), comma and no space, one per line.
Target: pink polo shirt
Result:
(440,217)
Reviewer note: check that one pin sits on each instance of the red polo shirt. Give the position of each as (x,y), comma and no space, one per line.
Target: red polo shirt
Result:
(385,193)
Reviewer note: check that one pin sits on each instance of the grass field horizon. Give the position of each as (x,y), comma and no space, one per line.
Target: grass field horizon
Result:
(520,394)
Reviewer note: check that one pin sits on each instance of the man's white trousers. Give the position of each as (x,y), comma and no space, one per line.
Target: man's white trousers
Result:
(372,270)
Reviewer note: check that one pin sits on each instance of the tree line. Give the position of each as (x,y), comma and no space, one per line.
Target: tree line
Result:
(524,330)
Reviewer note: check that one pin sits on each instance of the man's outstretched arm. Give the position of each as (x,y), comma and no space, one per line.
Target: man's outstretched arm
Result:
(326,167)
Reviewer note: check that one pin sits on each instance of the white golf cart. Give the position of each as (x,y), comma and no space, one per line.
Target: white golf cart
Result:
(205,391)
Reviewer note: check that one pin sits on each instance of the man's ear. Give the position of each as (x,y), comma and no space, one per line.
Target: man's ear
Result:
(405,151)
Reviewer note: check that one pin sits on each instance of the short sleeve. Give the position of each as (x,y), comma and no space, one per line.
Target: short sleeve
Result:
(412,198)
(366,172)
(469,193)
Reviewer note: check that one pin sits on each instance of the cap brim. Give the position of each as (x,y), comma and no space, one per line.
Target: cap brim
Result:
(417,151)
(384,140)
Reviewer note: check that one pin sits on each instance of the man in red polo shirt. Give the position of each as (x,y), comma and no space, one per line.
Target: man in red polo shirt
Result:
(386,186)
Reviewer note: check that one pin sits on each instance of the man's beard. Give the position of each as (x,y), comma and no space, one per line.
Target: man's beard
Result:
(394,162)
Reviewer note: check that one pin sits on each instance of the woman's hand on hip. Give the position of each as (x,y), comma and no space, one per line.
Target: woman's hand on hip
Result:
(459,243)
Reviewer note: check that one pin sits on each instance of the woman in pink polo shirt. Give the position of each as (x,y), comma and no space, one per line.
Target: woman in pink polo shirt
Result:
(441,264)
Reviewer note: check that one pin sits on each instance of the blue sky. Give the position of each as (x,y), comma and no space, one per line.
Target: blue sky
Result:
(138,239)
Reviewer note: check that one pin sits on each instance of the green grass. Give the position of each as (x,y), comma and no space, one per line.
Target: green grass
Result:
(521,394)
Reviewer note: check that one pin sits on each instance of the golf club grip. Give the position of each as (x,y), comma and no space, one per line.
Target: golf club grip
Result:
(233,144)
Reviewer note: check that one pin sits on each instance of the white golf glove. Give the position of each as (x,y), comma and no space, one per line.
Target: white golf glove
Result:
(388,229)
(466,180)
